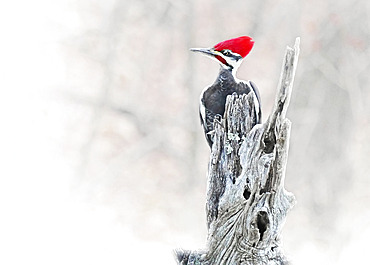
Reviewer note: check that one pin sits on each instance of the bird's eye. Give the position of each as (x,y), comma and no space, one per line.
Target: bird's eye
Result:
(226,52)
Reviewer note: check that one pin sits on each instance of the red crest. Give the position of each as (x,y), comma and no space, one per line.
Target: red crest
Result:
(241,45)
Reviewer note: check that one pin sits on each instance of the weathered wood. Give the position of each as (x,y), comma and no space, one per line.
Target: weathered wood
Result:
(246,200)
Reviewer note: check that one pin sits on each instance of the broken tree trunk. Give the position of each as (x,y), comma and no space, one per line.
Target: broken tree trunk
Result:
(246,199)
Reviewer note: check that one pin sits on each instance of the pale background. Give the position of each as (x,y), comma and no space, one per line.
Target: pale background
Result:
(103,159)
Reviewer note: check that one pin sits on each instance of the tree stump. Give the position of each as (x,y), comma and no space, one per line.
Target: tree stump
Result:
(246,200)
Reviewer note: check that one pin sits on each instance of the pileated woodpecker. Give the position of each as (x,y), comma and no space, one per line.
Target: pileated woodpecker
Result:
(229,54)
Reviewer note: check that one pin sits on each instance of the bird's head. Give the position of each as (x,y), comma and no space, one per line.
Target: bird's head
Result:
(229,53)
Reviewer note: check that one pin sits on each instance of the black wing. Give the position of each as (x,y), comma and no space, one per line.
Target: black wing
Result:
(206,120)
(256,92)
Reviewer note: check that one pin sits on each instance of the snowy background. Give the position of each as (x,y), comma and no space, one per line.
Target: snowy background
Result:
(103,160)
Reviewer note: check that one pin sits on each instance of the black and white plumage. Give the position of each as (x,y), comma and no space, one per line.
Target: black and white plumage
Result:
(229,54)
(213,99)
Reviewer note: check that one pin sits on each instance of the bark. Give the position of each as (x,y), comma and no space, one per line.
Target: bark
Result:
(246,200)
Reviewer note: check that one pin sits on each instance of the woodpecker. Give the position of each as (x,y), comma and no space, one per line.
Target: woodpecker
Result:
(229,54)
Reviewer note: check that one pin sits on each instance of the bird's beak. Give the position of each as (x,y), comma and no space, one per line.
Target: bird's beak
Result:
(206,51)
